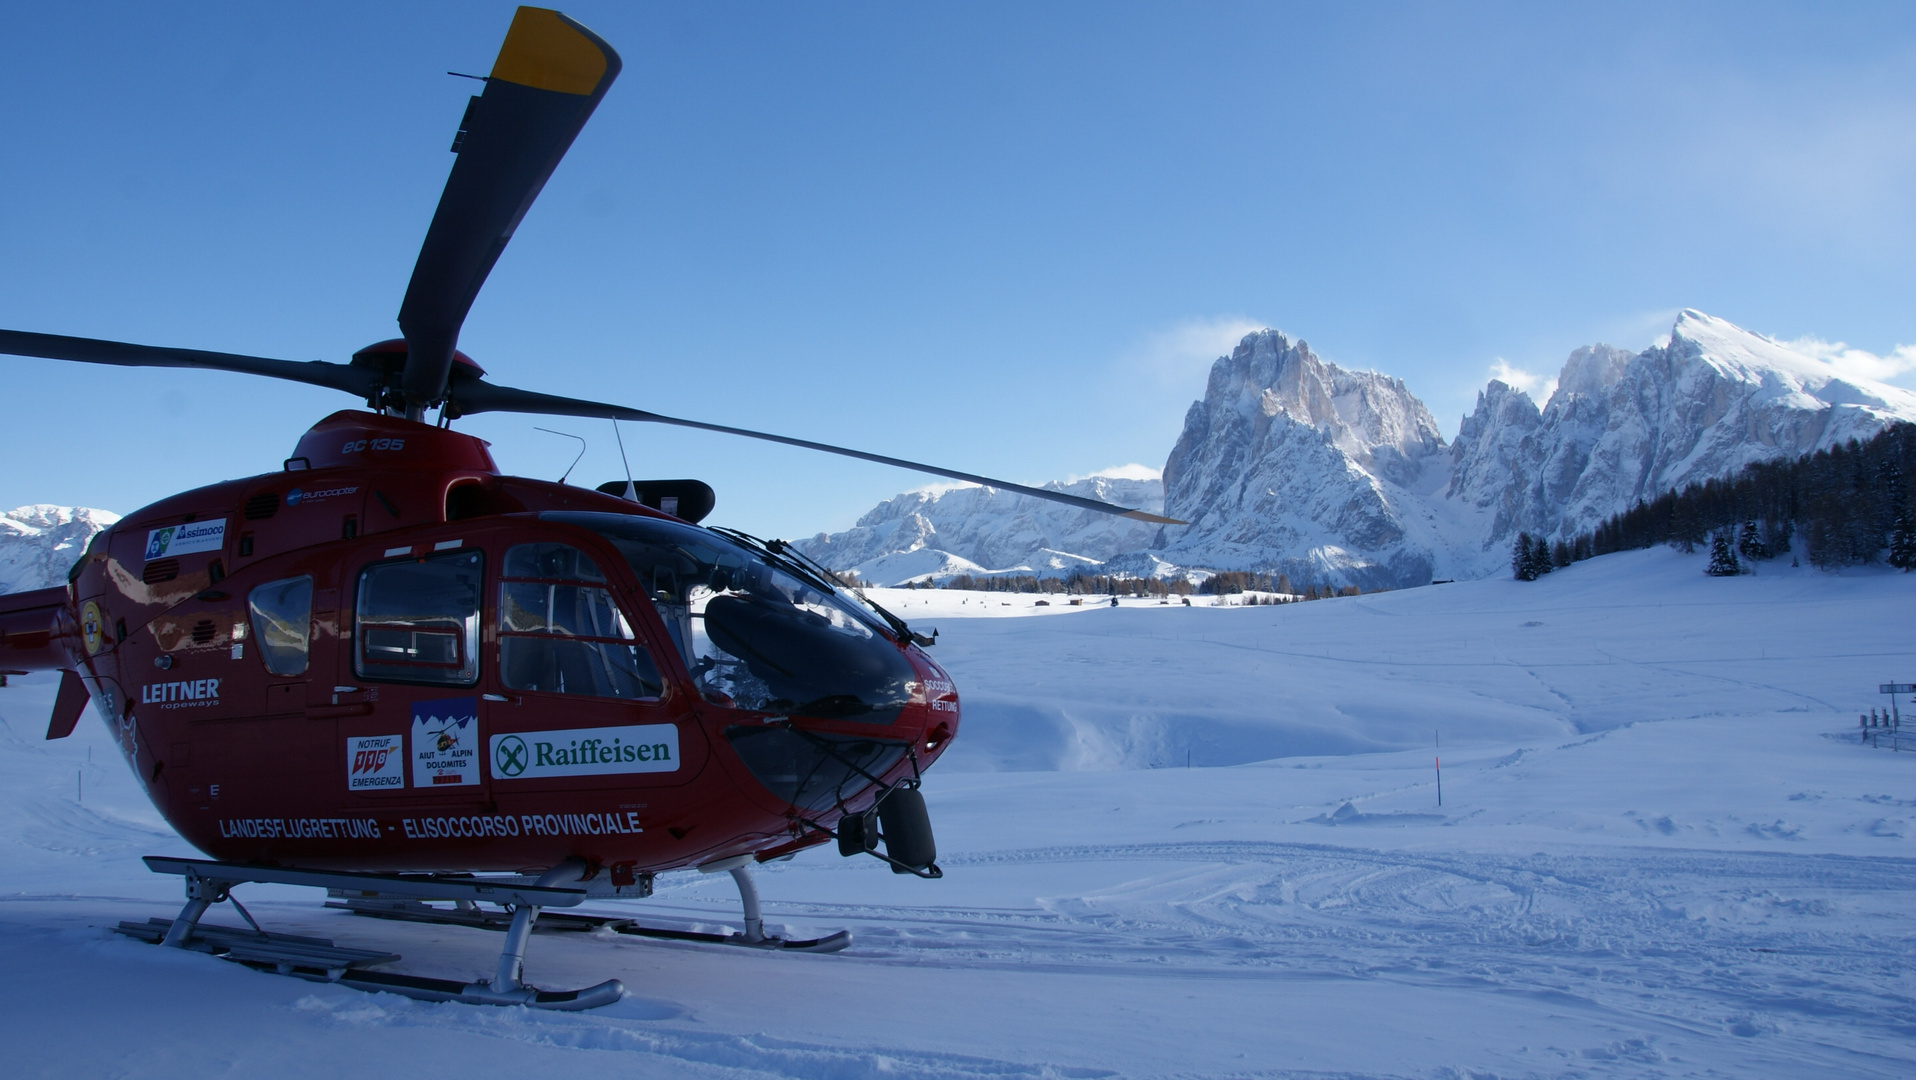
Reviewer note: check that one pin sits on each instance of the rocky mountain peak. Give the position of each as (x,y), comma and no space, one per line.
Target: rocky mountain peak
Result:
(41,542)
(1289,453)
(1590,372)
(1371,417)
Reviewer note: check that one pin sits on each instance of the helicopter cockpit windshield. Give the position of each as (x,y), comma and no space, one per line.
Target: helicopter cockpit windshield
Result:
(755,634)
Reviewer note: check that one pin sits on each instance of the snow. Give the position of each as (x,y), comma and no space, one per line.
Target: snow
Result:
(1661,852)
(1737,353)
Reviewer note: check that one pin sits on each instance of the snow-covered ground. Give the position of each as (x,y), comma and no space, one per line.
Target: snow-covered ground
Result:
(1661,852)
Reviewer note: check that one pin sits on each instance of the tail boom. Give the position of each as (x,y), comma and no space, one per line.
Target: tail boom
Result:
(38,632)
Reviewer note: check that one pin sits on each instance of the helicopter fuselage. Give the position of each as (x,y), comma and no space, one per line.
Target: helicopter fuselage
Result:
(390,656)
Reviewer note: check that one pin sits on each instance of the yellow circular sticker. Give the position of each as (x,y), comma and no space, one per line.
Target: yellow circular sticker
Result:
(92,625)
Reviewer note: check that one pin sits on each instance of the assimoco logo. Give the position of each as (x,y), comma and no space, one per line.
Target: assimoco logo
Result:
(186,539)
(638,748)
(198,693)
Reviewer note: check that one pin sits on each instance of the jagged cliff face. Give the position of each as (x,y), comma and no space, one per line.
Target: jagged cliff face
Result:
(1620,427)
(1495,458)
(39,544)
(1294,464)
(1337,477)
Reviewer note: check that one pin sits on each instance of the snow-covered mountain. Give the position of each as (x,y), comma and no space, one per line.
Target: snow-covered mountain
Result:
(1619,428)
(40,543)
(1294,464)
(938,532)
(1291,463)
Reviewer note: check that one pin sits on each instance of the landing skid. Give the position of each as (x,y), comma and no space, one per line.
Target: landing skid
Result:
(405,896)
(416,911)
(209,883)
(319,960)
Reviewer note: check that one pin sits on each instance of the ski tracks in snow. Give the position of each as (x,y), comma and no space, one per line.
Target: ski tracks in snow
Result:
(1703,942)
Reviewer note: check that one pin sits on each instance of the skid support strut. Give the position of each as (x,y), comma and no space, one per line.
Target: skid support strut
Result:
(506,987)
(209,883)
(748,898)
(740,867)
(201,893)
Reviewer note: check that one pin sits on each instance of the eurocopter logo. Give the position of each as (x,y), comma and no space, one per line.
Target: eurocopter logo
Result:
(639,748)
(186,539)
(297,496)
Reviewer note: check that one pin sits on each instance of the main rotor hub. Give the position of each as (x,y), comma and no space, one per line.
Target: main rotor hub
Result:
(389,359)
(390,355)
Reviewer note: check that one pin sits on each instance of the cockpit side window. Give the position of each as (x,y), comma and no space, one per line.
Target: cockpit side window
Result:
(755,634)
(418,620)
(282,614)
(560,631)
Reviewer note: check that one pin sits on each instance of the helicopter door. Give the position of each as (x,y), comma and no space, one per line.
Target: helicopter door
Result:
(408,712)
(579,698)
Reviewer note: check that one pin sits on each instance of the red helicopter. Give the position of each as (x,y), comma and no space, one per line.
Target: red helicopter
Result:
(390,671)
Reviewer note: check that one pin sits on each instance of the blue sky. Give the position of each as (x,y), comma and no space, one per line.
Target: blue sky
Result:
(1006,238)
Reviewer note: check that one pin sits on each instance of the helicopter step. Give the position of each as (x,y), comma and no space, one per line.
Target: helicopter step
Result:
(319,960)
(287,954)
(558,923)
(209,883)
(412,908)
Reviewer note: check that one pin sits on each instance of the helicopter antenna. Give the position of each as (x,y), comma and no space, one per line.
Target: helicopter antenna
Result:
(630,491)
(575,461)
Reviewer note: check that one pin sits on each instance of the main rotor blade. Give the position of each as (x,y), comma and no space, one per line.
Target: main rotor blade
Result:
(550,75)
(359,381)
(476,395)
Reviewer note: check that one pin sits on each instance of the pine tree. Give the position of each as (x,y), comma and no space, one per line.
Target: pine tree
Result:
(1902,541)
(1722,557)
(1686,529)
(1539,559)
(1523,563)
(1750,545)
(1779,536)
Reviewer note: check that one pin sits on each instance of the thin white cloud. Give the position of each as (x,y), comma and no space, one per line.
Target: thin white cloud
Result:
(1629,331)
(1539,387)
(1858,363)
(1184,351)
(939,487)
(1122,472)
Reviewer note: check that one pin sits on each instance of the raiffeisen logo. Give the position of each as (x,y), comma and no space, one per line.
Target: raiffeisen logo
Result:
(192,694)
(585,751)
